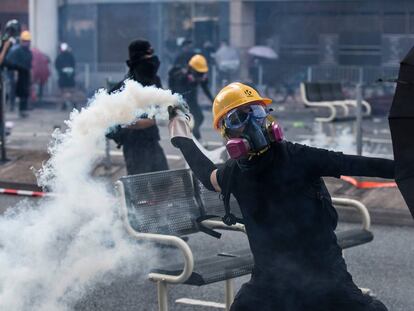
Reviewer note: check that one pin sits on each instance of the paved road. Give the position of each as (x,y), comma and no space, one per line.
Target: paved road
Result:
(385,265)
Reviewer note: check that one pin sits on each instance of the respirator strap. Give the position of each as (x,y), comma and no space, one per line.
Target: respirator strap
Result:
(229,219)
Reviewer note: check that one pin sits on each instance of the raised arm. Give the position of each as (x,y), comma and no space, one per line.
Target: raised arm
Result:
(206,90)
(4,50)
(321,162)
(181,137)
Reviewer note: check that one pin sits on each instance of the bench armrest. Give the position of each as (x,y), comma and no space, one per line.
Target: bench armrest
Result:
(158,238)
(366,218)
(218,224)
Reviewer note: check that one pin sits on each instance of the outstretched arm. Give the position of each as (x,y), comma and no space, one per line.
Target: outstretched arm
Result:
(181,137)
(323,162)
(204,86)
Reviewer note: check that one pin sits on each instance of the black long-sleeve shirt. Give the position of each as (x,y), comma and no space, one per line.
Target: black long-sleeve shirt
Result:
(284,220)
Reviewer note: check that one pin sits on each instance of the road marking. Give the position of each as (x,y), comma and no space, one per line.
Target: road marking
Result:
(35,134)
(203,303)
(366,139)
(120,154)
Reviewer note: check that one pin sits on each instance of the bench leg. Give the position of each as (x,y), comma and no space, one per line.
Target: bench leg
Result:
(162,296)
(229,292)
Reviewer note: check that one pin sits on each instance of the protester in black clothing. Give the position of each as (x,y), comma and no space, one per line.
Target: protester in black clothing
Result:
(286,208)
(140,141)
(65,64)
(20,59)
(185,54)
(9,39)
(186,81)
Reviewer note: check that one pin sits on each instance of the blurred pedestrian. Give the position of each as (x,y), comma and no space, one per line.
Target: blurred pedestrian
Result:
(187,51)
(11,38)
(186,81)
(228,62)
(140,140)
(208,52)
(20,59)
(40,71)
(65,65)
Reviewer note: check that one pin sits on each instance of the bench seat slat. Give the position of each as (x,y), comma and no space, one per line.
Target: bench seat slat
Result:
(353,237)
(219,268)
(215,268)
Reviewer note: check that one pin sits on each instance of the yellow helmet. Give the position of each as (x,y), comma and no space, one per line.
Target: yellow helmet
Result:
(234,95)
(198,63)
(25,36)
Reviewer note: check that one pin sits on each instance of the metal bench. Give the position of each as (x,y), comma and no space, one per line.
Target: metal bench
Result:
(162,207)
(330,96)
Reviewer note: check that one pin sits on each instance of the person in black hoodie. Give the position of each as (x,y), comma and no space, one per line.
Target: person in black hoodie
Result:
(65,65)
(20,59)
(286,207)
(185,81)
(140,141)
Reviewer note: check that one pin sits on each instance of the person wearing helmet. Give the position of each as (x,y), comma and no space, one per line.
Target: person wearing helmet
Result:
(9,37)
(186,81)
(65,65)
(140,141)
(9,40)
(286,207)
(20,59)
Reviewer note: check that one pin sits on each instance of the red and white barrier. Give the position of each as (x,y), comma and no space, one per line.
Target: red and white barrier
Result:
(24,193)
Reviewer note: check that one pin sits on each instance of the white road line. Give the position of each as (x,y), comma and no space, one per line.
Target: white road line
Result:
(120,154)
(368,139)
(33,134)
(196,302)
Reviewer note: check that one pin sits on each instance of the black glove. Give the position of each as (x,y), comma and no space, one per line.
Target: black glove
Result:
(116,135)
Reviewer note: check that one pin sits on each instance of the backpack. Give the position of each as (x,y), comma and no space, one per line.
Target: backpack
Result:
(175,76)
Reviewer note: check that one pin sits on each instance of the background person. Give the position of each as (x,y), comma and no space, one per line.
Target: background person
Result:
(140,141)
(40,72)
(286,207)
(186,81)
(20,59)
(185,54)
(65,64)
(227,60)
(11,38)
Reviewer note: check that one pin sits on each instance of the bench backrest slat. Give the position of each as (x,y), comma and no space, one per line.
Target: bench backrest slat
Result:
(162,202)
(323,92)
(312,92)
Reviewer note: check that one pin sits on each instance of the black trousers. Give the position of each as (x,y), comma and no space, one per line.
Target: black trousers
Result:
(327,286)
(249,299)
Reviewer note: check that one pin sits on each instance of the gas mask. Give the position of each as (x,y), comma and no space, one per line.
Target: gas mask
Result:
(146,67)
(255,130)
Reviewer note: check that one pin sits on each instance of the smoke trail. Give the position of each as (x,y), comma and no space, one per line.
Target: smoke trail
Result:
(51,253)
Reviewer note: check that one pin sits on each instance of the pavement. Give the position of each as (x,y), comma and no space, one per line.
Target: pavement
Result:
(385,266)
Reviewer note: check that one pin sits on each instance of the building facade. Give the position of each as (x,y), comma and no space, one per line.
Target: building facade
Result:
(302,32)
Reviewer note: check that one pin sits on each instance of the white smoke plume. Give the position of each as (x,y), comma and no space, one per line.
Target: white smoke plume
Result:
(50,254)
